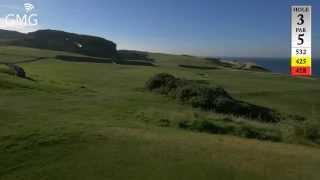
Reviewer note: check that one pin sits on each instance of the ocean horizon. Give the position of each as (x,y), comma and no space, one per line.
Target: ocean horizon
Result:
(278,65)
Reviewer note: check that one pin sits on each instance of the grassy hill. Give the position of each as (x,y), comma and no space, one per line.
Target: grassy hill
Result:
(6,35)
(89,120)
(60,41)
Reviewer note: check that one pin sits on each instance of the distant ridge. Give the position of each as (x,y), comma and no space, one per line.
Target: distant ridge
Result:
(102,48)
(248,66)
(10,35)
(61,41)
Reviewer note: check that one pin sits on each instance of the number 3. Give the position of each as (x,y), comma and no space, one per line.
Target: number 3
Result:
(301,19)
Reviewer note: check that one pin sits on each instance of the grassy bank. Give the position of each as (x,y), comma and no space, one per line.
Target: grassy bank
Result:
(81,120)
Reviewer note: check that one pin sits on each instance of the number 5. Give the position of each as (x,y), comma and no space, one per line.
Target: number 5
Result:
(300,39)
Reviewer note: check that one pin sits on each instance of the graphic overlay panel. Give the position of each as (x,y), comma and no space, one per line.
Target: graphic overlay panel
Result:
(301,61)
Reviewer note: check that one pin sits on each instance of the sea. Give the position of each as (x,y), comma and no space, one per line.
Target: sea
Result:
(278,65)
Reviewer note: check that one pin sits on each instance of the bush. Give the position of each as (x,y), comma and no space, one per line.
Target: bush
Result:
(203,126)
(185,93)
(311,131)
(206,126)
(208,98)
(231,128)
(259,133)
(163,83)
(301,132)
(184,124)
(164,122)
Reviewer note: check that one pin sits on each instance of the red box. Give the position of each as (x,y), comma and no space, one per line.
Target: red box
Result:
(301,71)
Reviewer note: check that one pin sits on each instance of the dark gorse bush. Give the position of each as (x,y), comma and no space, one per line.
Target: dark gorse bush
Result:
(214,127)
(208,98)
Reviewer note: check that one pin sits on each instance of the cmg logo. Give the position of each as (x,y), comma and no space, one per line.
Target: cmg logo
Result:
(28,7)
(27,19)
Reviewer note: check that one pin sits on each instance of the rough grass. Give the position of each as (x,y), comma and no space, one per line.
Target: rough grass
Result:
(95,121)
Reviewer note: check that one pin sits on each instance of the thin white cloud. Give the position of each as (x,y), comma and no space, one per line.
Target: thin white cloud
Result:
(11,7)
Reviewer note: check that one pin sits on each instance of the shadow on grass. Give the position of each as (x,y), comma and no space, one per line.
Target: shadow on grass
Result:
(30,79)
(31,60)
(24,61)
(198,67)
(134,55)
(84,59)
(102,60)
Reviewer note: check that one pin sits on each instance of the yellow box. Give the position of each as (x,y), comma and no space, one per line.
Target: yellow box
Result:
(301,61)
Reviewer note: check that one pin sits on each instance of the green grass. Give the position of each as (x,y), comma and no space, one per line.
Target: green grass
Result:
(95,121)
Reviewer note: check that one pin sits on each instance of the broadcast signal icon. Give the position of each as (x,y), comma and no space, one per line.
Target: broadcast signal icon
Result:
(28,7)
(301,63)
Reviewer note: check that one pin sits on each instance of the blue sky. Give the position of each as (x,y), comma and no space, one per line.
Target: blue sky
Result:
(238,28)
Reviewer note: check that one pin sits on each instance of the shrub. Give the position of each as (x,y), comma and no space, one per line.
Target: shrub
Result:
(203,126)
(301,132)
(164,123)
(311,131)
(252,132)
(248,110)
(208,98)
(231,128)
(184,124)
(164,83)
(206,126)
(186,93)
(224,105)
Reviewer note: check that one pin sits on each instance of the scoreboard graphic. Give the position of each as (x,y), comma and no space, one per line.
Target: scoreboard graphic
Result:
(301,62)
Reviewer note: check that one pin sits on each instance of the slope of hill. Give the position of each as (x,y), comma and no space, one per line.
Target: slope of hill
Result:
(10,35)
(238,65)
(62,41)
(99,47)
(87,120)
